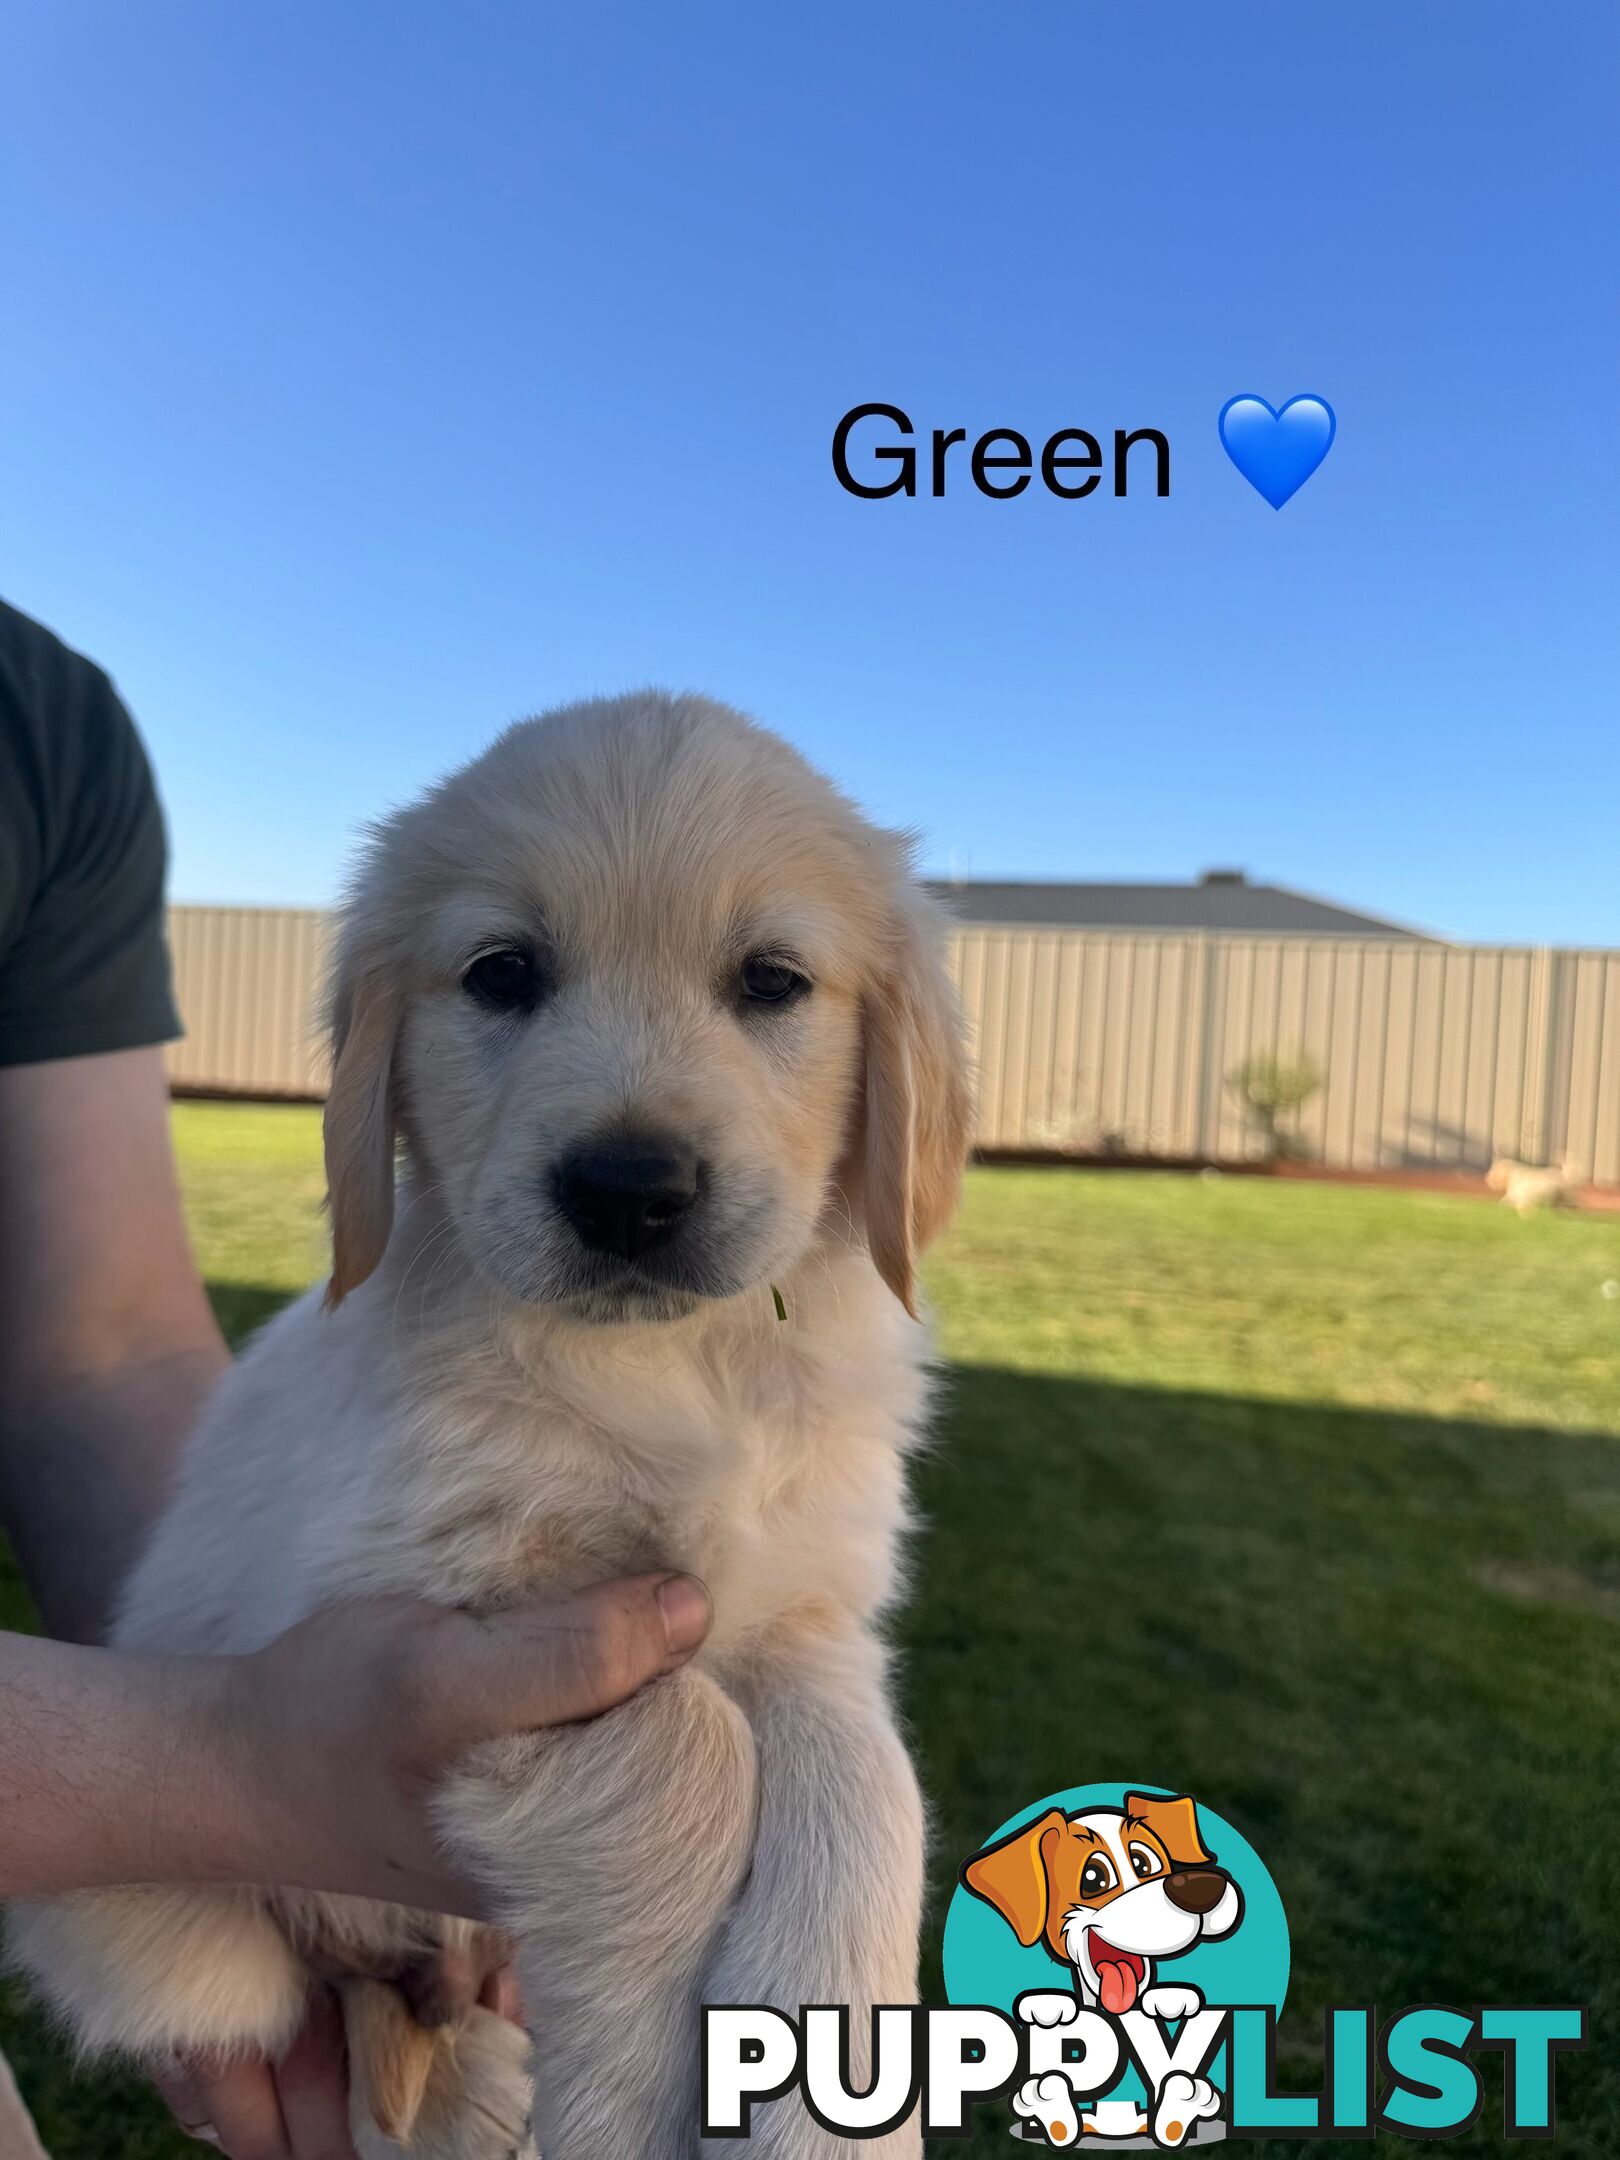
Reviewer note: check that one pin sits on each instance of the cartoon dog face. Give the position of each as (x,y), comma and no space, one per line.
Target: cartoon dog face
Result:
(1110,1891)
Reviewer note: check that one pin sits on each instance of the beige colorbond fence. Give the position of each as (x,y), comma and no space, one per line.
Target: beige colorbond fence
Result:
(1433,1056)
(248,981)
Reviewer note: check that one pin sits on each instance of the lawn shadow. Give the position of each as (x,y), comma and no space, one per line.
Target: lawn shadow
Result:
(1382,1645)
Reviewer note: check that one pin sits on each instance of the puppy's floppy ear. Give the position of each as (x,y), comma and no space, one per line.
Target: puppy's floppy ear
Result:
(1012,1876)
(1173,1819)
(360,1123)
(917,1111)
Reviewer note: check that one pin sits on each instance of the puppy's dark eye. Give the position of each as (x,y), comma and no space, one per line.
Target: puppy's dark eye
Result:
(506,981)
(766,981)
(1096,1877)
(1144,1863)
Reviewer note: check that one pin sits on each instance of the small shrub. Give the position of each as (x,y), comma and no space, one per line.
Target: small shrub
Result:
(1269,1087)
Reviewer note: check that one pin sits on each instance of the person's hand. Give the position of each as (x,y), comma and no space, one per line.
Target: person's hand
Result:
(297,2108)
(346,1724)
(343,1728)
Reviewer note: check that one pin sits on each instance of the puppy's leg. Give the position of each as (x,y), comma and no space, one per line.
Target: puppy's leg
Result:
(614,1850)
(833,1905)
(152,1972)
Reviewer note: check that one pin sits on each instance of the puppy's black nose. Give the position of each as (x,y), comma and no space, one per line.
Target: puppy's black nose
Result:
(1196,1890)
(627,1196)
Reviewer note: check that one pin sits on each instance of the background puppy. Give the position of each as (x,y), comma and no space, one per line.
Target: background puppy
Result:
(662,1026)
(1527,1186)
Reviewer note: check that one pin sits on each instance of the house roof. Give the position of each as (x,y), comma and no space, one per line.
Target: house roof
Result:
(1220,900)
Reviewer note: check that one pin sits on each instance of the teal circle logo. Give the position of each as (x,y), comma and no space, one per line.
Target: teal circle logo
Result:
(1127,1899)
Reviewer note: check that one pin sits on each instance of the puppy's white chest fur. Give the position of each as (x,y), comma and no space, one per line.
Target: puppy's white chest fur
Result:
(515,1455)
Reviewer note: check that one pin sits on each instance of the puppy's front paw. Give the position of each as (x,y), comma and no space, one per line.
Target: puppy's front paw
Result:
(477,2099)
(1049,2101)
(1169,2004)
(1182,2102)
(1047,2007)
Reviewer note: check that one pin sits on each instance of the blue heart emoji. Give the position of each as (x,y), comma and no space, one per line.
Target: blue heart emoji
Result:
(1276,452)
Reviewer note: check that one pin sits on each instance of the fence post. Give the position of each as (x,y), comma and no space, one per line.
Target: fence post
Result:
(1560,1055)
(1538,1028)
(1212,1030)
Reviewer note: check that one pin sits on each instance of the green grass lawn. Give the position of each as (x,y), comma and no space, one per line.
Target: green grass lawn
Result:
(1305,1498)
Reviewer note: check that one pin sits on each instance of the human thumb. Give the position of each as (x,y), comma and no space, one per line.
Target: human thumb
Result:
(572,1658)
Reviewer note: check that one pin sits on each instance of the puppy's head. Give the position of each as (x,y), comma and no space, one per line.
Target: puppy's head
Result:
(652,1007)
(1110,1890)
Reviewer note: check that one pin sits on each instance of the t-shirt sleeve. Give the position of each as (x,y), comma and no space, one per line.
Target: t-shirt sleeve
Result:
(89,969)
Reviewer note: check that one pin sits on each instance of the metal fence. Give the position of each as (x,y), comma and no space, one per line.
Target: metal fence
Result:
(248,982)
(1432,1057)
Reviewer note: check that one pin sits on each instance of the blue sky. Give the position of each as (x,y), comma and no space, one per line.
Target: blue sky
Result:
(374,374)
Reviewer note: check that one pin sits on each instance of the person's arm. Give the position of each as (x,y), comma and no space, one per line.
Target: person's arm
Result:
(312,1762)
(107,1343)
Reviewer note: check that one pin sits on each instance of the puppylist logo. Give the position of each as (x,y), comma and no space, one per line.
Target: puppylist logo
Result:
(1116,1960)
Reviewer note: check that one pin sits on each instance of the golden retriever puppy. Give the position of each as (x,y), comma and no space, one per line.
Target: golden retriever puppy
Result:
(1527,1186)
(660,1028)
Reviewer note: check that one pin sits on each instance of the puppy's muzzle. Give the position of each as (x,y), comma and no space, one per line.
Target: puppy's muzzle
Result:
(1196,1890)
(628,1197)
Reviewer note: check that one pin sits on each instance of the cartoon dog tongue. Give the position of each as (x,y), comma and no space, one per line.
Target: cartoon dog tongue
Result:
(1116,1981)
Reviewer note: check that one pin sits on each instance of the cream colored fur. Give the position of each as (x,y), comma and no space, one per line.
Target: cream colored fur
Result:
(469,1425)
(1525,1187)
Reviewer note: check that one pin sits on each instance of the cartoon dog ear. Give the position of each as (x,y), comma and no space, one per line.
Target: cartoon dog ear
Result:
(360,1124)
(917,1109)
(1012,1876)
(1173,1819)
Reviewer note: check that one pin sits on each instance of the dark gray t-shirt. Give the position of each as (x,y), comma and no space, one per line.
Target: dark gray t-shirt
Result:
(84,966)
